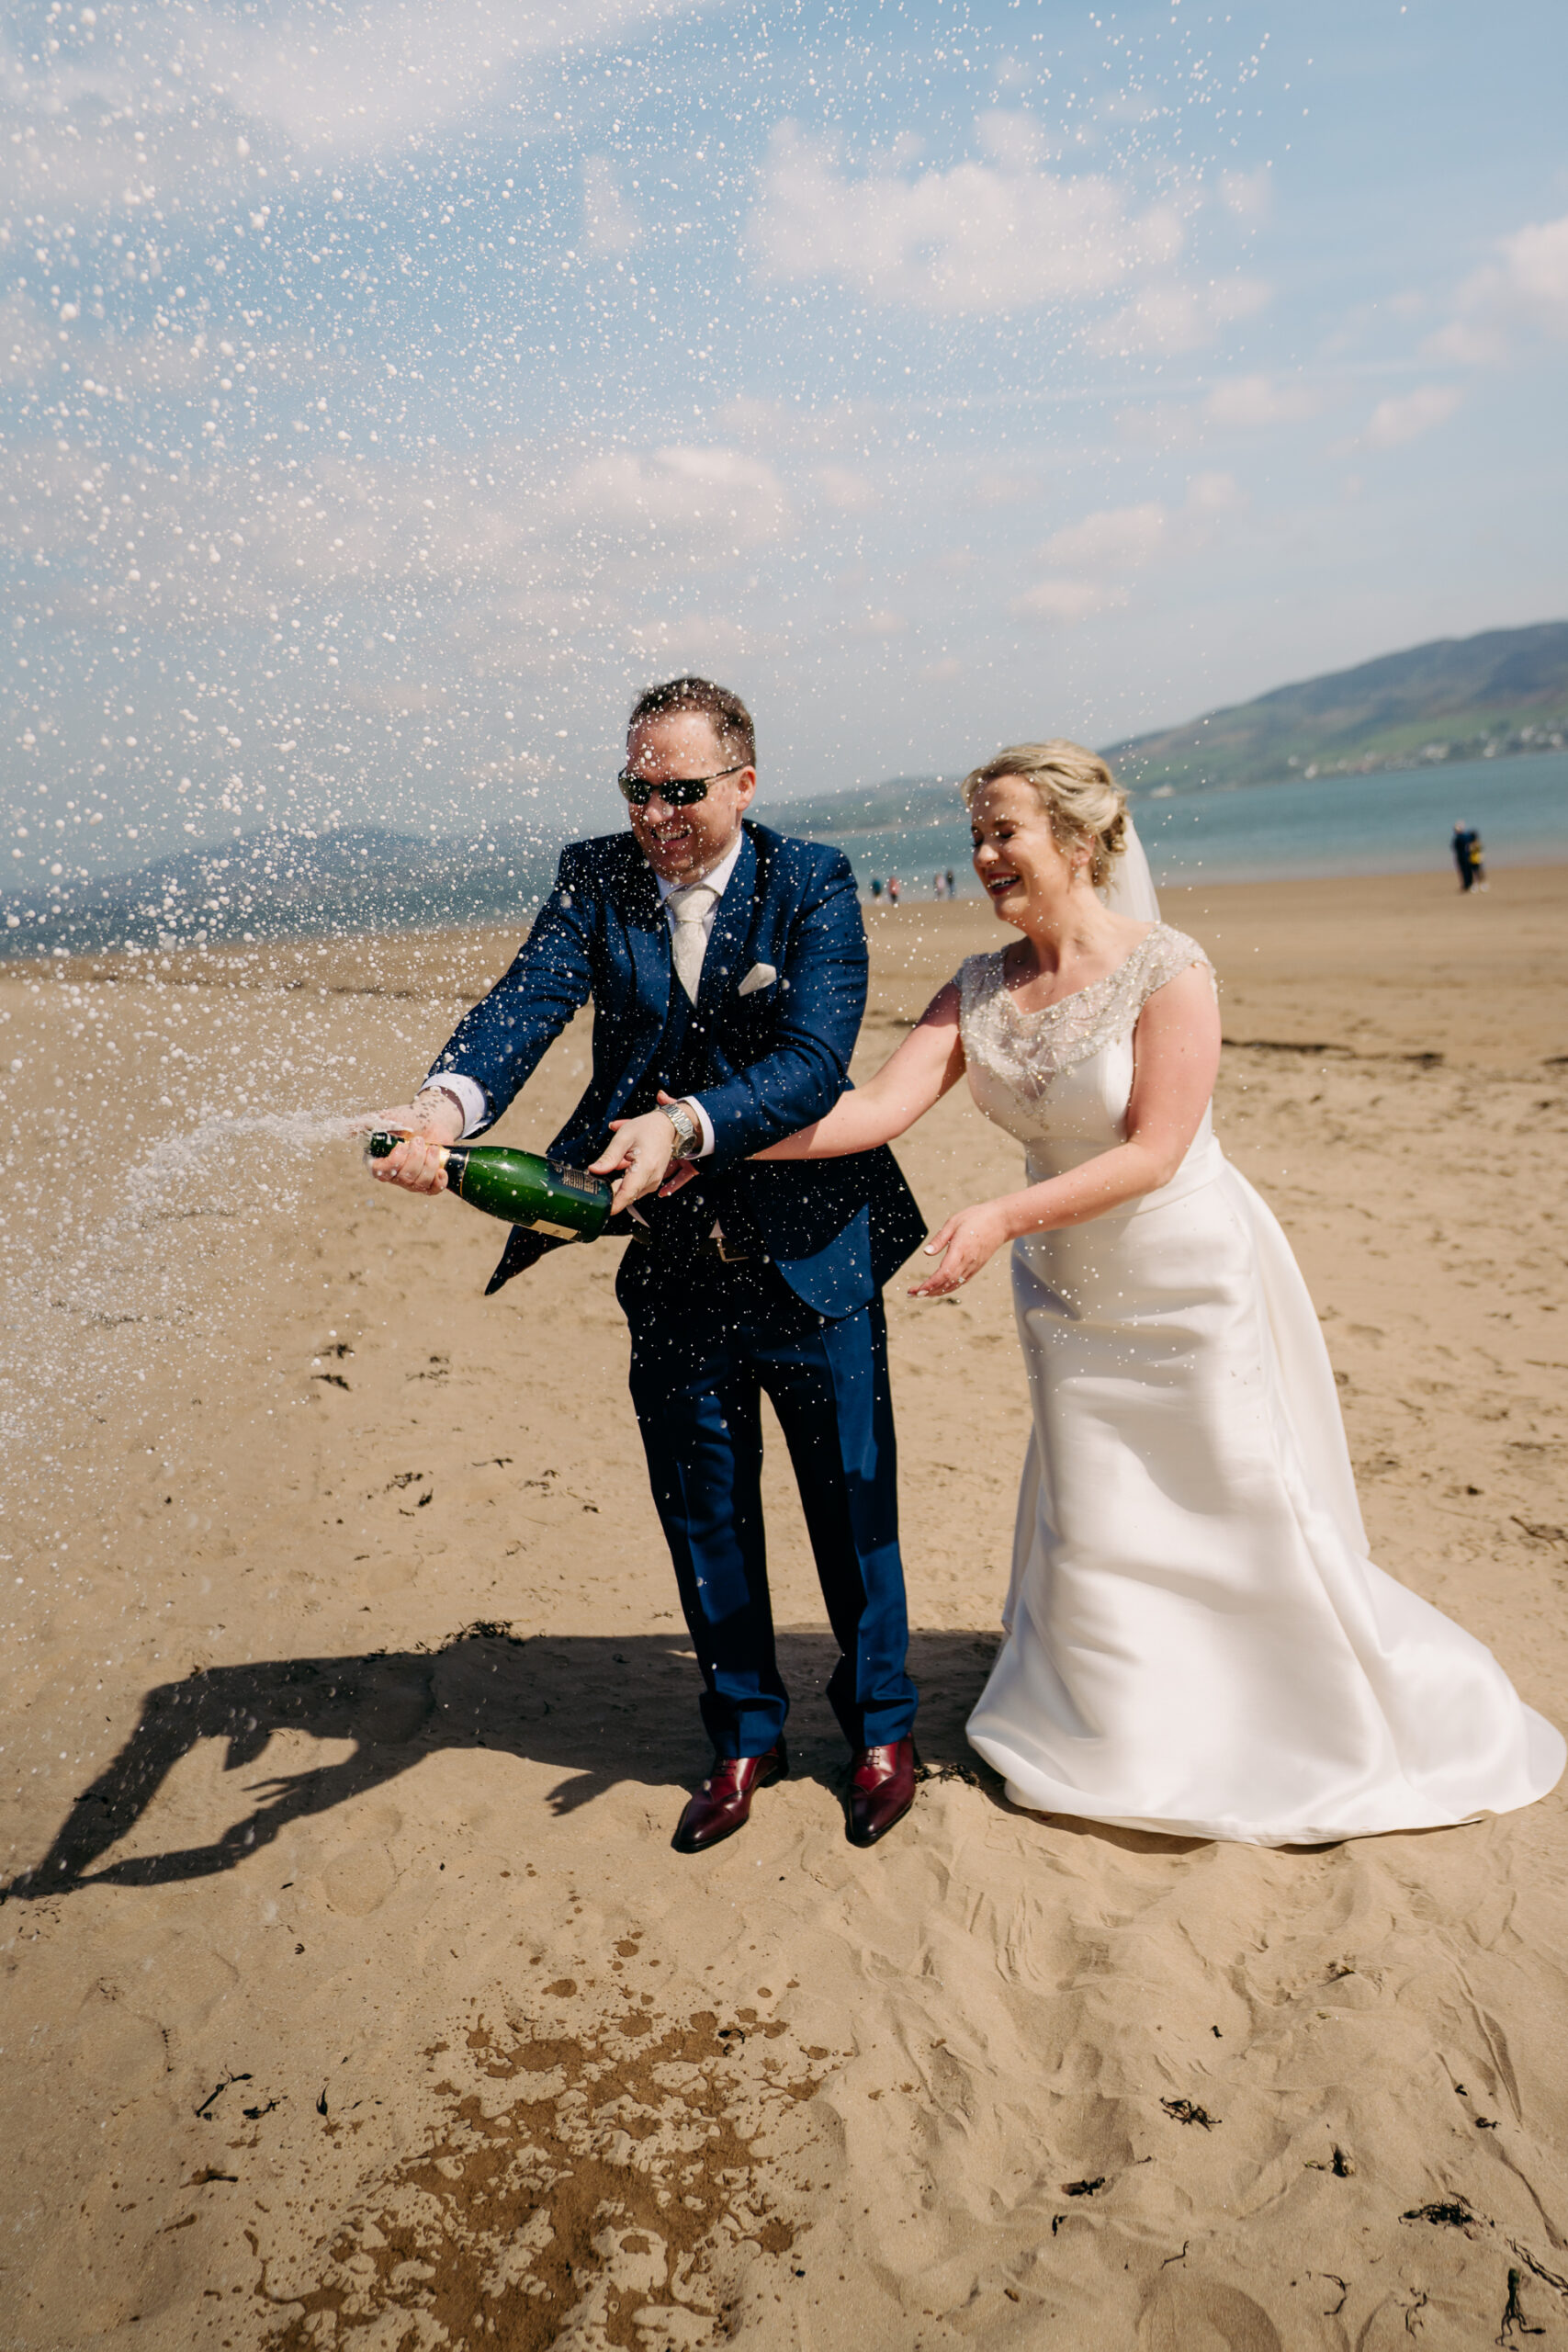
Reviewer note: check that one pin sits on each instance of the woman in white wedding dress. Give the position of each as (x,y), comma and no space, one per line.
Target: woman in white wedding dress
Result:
(1196,1642)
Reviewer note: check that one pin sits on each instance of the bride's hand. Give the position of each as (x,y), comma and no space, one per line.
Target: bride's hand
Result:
(968,1239)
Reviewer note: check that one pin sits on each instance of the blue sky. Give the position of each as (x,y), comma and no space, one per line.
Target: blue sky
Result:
(391,391)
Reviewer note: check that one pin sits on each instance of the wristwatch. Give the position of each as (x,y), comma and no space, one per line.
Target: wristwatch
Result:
(688,1135)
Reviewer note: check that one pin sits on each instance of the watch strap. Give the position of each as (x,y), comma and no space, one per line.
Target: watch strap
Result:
(688,1135)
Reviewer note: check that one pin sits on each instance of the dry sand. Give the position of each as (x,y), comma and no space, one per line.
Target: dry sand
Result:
(357,1998)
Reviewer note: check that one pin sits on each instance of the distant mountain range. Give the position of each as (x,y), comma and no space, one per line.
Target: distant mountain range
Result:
(1459,698)
(279,884)
(1490,696)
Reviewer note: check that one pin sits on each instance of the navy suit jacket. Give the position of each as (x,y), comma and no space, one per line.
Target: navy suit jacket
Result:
(775,1058)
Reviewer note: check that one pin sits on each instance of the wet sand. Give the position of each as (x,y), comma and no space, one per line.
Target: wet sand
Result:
(352,1994)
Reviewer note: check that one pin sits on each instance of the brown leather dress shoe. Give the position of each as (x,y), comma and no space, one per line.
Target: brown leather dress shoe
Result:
(723,1804)
(881,1790)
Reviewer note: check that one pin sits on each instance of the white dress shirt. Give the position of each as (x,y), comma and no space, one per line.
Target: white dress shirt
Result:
(470,1094)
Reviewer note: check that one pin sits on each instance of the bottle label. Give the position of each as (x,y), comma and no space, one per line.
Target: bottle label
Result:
(576,1181)
(557,1232)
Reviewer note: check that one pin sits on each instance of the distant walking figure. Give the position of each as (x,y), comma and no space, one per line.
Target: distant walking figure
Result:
(1477,861)
(1466,848)
(876,887)
(952,884)
(894,889)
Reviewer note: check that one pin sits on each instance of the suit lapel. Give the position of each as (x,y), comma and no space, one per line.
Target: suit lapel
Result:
(722,971)
(647,938)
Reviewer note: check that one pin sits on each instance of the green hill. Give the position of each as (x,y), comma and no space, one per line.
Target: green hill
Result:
(1458,698)
(1472,697)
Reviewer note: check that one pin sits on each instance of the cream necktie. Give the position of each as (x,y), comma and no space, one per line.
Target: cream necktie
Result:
(688,946)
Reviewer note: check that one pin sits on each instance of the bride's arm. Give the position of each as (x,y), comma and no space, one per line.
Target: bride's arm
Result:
(1177,1059)
(930,1060)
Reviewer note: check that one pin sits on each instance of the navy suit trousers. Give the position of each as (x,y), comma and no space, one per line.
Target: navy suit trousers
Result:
(708,1344)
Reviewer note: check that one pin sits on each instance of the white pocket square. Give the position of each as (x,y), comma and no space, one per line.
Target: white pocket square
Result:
(760,975)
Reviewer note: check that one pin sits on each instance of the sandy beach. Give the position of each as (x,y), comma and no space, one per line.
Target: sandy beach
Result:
(352,1993)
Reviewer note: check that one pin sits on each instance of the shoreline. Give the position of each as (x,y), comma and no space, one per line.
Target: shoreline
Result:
(1488,992)
(237,881)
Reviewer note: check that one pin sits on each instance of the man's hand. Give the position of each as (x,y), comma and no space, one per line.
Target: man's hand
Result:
(967,1239)
(641,1154)
(426,1123)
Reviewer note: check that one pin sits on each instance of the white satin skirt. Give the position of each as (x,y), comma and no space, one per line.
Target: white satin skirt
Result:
(1196,1640)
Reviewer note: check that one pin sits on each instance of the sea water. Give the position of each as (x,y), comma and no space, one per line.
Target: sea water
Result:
(1395,824)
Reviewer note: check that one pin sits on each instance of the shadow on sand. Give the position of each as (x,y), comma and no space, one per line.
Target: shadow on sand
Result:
(603,1711)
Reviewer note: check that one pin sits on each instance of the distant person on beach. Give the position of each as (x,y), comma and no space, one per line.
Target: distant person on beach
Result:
(1477,861)
(1466,847)
(877,890)
(952,884)
(894,889)
(938,886)
(1196,1641)
(726,966)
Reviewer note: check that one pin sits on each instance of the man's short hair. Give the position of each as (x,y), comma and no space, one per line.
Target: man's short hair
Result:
(730,719)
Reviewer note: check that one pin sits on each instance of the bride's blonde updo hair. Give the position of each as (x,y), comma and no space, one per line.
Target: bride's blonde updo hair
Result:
(1077,791)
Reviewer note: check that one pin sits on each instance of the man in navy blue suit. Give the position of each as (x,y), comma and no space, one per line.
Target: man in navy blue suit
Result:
(726,966)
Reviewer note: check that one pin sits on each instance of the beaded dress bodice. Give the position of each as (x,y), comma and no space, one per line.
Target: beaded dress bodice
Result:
(1060,1078)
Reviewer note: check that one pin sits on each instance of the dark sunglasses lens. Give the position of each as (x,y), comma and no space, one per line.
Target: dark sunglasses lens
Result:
(679,791)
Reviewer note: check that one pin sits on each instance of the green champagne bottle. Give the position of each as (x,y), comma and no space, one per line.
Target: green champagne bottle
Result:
(519,1187)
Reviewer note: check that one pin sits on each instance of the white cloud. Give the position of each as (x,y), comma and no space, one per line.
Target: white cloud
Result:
(1116,538)
(850,492)
(1211,494)
(1404,416)
(1125,538)
(611,221)
(1524,291)
(1161,424)
(717,499)
(1065,600)
(313,78)
(1177,316)
(781,425)
(1119,539)
(980,238)
(1014,140)
(508,541)
(993,488)
(1249,195)
(695,641)
(1253,401)
(24,339)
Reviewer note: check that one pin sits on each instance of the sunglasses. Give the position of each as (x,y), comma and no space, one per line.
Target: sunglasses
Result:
(680,791)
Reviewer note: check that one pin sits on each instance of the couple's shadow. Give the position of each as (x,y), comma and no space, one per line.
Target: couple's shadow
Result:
(602,1710)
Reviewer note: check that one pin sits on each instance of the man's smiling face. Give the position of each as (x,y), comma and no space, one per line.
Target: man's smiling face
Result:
(682,845)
